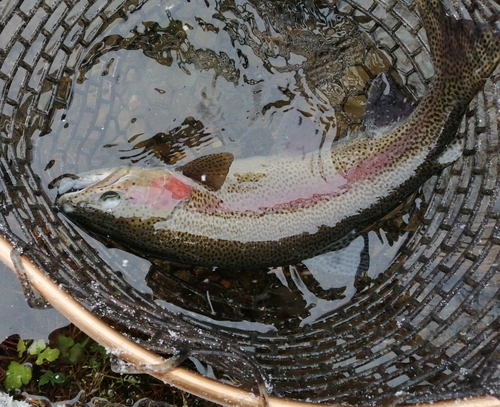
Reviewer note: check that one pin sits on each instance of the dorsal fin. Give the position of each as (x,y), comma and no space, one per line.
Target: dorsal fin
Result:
(209,170)
(386,105)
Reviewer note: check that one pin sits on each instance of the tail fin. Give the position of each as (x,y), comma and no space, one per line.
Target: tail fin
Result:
(462,51)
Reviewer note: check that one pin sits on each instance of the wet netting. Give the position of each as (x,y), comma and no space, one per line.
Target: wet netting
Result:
(94,84)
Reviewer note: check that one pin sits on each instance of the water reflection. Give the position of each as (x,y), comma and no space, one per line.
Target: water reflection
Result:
(309,51)
(285,298)
(168,147)
(165,45)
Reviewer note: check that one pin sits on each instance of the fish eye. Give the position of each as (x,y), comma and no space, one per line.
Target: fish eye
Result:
(110,199)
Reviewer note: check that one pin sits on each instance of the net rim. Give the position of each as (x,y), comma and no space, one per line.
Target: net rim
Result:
(179,377)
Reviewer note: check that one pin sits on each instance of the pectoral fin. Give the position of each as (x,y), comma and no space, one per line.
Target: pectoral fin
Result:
(210,170)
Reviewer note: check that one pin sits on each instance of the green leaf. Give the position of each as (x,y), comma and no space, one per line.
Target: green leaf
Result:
(36,347)
(21,347)
(45,378)
(50,377)
(75,353)
(48,354)
(95,347)
(64,344)
(58,378)
(16,376)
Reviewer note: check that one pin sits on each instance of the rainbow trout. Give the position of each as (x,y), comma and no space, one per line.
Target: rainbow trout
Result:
(271,211)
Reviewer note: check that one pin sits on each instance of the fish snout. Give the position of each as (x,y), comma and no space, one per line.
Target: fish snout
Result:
(64,205)
(74,183)
(74,191)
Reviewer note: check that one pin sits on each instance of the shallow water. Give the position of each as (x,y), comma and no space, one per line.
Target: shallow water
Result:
(251,79)
(17,317)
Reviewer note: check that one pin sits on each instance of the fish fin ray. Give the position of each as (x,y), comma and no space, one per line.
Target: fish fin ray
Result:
(386,104)
(210,170)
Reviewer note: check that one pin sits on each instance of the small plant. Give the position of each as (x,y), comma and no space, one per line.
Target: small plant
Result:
(42,352)
(50,377)
(71,351)
(18,374)
(71,362)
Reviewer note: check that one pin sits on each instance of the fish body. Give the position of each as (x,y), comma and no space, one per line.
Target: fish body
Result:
(269,211)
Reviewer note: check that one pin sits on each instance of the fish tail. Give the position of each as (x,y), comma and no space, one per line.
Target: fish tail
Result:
(464,53)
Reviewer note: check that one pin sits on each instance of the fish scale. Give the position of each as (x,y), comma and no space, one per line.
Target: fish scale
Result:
(271,211)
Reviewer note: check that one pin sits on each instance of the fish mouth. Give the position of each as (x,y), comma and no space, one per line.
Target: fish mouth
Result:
(69,183)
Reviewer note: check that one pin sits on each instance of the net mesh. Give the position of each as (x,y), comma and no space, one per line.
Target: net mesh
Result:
(426,329)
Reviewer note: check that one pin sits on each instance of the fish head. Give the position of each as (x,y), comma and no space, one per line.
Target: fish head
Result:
(121,199)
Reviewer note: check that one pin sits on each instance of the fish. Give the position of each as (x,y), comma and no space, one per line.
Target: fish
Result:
(268,211)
